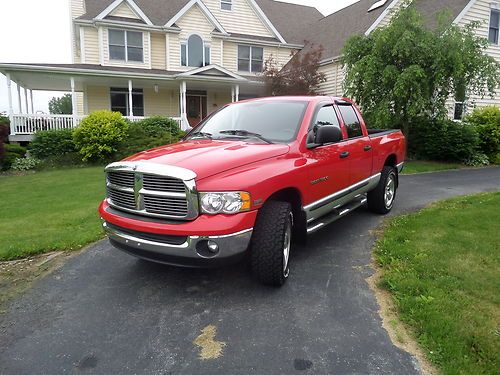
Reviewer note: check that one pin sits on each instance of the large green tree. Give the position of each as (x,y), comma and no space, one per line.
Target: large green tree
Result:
(61,105)
(404,73)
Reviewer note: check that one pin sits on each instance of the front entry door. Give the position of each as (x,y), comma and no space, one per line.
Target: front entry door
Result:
(196,108)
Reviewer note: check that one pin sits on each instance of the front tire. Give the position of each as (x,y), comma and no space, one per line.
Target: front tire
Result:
(271,242)
(381,199)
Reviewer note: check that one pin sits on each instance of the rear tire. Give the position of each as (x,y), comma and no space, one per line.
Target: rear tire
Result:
(381,199)
(271,240)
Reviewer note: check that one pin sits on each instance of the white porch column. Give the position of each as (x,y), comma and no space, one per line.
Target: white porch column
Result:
(19,97)
(73,100)
(130,101)
(26,99)
(11,109)
(237,93)
(232,94)
(183,106)
(31,100)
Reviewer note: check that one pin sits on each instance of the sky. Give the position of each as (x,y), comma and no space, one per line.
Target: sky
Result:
(35,31)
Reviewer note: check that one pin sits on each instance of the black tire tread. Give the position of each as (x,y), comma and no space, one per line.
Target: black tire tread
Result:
(267,243)
(376,196)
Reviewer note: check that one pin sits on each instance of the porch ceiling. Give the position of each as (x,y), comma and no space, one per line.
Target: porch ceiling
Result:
(57,77)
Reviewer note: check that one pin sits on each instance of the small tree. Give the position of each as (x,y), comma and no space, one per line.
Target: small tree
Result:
(61,105)
(404,73)
(299,77)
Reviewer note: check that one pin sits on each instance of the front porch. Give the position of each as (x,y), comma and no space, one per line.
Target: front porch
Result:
(187,97)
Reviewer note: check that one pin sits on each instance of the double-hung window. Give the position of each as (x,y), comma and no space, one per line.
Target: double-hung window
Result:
(195,52)
(120,101)
(226,4)
(250,59)
(125,45)
(493,35)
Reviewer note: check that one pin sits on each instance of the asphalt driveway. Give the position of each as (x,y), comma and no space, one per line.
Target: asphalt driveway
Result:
(105,312)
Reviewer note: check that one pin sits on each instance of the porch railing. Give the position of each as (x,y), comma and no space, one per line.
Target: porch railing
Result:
(28,124)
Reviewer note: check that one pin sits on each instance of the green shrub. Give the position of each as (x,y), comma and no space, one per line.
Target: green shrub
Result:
(99,135)
(4,120)
(12,152)
(157,126)
(138,139)
(444,140)
(4,133)
(25,164)
(487,123)
(52,143)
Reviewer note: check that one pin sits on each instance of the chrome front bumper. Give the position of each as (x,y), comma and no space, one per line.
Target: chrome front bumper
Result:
(191,253)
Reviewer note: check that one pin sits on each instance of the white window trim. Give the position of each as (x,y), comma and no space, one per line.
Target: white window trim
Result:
(250,58)
(227,2)
(494,8)
(205,44)
(126,46)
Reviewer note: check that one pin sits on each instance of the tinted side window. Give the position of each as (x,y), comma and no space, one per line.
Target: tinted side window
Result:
(326,117)
(351,121)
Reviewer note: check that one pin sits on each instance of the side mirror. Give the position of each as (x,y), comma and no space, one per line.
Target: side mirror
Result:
(328,134)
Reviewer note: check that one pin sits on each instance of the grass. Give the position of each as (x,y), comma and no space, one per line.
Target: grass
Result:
(419,166)
(50,210)
(442,267)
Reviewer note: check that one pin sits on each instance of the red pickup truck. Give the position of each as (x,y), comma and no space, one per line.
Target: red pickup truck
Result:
(249,179)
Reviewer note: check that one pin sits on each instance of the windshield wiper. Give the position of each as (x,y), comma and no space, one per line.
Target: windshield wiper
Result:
(200,135)
(245,133)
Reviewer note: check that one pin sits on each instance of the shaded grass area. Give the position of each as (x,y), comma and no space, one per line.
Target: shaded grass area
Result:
(419,166)
(442,267)
(50,210)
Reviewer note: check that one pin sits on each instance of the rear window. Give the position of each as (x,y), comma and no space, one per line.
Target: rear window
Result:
(277,121)
(351,121)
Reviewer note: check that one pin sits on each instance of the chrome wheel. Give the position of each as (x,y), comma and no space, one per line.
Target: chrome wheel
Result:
(390,191)
(287,241)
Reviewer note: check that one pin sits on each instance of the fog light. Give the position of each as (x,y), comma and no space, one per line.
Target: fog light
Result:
(212,247)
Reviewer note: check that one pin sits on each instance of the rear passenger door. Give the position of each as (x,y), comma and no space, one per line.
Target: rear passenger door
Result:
(329,169)
(359,145)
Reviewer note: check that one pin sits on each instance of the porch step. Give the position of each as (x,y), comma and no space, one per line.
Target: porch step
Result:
(337,213)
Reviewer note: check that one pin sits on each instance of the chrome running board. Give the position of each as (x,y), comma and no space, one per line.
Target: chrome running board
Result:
(336,213)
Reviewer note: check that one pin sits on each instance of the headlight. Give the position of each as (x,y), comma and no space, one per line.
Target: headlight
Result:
(227,202)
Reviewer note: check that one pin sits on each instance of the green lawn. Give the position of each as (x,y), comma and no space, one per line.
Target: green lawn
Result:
(418,166)
(442,267)
(50,210)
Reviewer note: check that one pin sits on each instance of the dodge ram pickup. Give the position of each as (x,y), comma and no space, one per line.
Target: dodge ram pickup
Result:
(248,181)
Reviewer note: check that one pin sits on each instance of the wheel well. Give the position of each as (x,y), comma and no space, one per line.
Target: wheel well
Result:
(293,196)
(391,160)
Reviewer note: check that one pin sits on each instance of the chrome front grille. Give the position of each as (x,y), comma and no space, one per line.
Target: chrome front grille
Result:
(160,183)
(152,190)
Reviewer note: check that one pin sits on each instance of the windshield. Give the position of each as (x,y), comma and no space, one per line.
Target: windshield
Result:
(261,121)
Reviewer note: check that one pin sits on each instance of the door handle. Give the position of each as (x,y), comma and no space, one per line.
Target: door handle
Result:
(368,148)
(344,154)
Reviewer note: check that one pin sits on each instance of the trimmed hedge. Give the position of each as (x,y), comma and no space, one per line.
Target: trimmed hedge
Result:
(444,140)
(158,126)
(52,143)
(12,152)
(486,120)
(99,135)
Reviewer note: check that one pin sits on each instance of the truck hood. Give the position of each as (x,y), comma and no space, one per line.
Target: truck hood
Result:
(207,158)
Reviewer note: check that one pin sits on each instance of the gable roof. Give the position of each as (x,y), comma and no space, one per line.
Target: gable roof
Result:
(276,14)
(203,8)
(132,5)
(158,11)
(291,20)
(333,31)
